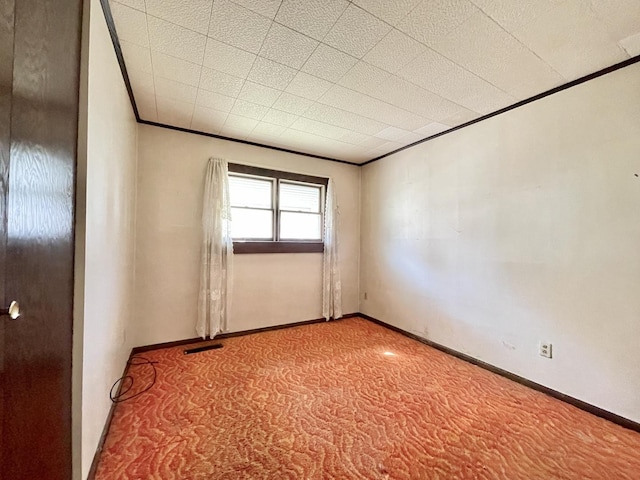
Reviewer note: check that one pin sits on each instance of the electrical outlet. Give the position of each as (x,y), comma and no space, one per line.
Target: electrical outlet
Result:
(545,349)
(365,295)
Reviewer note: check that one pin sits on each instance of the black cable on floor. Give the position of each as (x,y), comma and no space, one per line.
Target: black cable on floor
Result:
(121,396)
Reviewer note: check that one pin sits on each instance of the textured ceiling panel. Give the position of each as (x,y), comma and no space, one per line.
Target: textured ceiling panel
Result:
(353,80)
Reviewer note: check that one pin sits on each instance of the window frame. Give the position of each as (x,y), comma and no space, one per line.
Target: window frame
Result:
(277,245)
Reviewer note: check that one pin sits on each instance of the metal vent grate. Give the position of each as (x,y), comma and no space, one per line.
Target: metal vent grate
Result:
(204,348)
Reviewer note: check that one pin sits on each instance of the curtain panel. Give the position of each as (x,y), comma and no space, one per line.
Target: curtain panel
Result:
(331,285)
(216,266)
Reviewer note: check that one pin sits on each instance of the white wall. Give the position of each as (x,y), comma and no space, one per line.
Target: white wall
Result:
(521,228)
(269,289)
(105,228)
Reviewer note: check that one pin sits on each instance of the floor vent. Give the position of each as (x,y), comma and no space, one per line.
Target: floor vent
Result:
(204,348)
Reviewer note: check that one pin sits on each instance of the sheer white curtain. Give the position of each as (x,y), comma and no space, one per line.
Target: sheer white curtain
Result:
(217,251)
(331,286)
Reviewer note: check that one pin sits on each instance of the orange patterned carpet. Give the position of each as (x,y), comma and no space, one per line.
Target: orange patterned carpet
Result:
(350,399)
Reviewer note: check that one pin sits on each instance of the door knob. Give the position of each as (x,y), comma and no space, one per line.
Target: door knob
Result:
(12,310)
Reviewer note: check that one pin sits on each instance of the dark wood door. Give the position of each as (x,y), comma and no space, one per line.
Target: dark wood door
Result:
(39,75)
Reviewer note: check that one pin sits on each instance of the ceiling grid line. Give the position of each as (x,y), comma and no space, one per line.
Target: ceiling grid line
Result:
(359,79)
(517,39)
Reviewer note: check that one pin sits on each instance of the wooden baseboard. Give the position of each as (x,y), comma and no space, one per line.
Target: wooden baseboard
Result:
(587,407)
(222,336)
(105,431)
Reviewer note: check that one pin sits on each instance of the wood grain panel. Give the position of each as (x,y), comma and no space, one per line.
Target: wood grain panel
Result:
(6,80)
(39,253)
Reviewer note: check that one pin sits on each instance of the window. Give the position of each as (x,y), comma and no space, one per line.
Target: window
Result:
(275,212)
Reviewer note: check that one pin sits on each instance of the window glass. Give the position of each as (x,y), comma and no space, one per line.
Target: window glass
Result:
(257,218)
(300,226)
(250,192)
(251,208)
(248,223)
(299,198)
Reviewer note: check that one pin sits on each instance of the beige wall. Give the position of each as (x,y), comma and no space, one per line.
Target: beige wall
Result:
(521,228)
(104,233)
(269,289)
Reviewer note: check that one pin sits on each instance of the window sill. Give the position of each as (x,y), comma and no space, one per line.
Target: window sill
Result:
(278,247)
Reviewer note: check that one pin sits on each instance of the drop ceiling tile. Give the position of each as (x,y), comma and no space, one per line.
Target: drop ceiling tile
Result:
(131,24)
(468,44)
(292,104)
(311,17)
(344,119)
(172,90)
(262,139)
(268,129)
(513,14)
(631,45)
(328,63)
(391,146)
(228,59)
(214,101)
(313,143)
(175,40)
(354,138)
(510,67)
(146,105)
(394,51)
(373,142)
(249,110)
(432,129)
(308,86)
(572,39)
(238,26)
(450,81)
(364,78)
(523,76)
(356,32)
(414,122)
(271,74)
(236,133)
(136,56)
(176,69)
(376,152)
(207,120)
(137,4)
(432,19)
(414,99)
(463,116)
(287,46)
(392,133)
(475,94)
(220,82)
(141,82)
(278,117)
(427,69)
(410,138)
(266,8)
(354,155)
(193,14)
(238,122)
(318,128)
(364,105)
(341,97)
(620,17)
(256,93)
(173,112)
(384,149)
(390,12)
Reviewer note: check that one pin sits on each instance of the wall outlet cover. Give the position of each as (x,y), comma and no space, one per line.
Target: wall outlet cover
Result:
(545,349)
